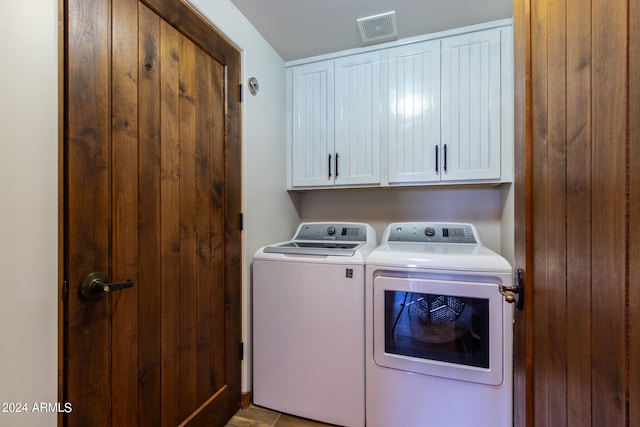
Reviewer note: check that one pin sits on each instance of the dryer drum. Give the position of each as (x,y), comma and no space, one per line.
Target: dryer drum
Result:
(435,318)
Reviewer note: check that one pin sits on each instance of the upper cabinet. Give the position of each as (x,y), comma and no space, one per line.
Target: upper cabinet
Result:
(424,112)
(414,113)
(359,104)
(313,124)
(471,106)
(336,116)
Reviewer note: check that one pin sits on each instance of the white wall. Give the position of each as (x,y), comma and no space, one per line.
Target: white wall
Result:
(507,245)
(29,197)
(480,206)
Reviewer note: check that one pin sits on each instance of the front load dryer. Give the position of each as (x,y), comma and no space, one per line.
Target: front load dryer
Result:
(308,323)
(438,329)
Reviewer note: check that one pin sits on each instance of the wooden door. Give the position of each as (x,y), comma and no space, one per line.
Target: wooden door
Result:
(523,320)
(577,349)
(152,195)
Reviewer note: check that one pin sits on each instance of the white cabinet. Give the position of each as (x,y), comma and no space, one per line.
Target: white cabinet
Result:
(449,109)
(358,99)
(336,122)
(312,116)
(471,106)
(430,111)
(414,113)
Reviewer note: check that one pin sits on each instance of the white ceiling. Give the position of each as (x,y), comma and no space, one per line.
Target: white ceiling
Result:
(302,28)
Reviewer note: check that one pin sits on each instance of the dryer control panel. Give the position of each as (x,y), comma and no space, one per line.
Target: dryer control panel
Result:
(432,232)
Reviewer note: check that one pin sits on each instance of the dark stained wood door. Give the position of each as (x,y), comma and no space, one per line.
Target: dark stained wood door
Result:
(577,351)
(152,195)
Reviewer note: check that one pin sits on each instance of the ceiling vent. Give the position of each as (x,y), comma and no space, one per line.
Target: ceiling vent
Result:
(378,28)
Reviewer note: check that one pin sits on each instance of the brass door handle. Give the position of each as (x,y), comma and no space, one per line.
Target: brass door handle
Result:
(515,293)
(96,285)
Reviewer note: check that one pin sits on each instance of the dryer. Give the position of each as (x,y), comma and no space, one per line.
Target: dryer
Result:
(438,330)
(308,323)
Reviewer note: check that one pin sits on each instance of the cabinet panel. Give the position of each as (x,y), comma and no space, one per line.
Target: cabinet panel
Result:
(471,106)
(358,83)
(414,113)
(312,121)
(432,111)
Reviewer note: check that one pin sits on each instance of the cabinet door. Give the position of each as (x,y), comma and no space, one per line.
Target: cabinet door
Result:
(312,109)
(358,83)
(414,113)
(471,106)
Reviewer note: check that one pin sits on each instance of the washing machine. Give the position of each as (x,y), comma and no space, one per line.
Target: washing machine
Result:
(439,330)
(308,323)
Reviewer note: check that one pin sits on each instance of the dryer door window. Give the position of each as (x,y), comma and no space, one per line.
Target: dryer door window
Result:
(439,326)
(446,328)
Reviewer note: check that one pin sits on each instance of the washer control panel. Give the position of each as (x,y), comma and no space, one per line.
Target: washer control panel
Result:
(432,232)
(332,231)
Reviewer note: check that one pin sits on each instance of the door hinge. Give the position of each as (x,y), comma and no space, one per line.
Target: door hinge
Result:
(241,350)
(241,221)
(241,92)
(65,290)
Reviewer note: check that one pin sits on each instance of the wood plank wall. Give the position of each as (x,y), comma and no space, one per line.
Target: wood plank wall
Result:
(578,141)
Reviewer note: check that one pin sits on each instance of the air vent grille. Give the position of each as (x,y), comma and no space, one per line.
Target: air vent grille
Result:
(377,28)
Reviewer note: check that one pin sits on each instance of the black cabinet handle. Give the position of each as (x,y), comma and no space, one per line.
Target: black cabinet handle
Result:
(336,165)
(329,177)
(436,159)
(445,157)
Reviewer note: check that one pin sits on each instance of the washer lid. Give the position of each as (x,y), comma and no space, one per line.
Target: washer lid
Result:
(324,240)
(314,248)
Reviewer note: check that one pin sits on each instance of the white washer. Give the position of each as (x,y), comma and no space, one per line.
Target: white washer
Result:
(308,323)
(438,329)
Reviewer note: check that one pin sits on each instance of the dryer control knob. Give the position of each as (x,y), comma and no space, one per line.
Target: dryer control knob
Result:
(430,231)
(331,230)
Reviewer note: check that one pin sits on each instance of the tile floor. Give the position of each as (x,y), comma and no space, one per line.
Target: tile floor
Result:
(254,416)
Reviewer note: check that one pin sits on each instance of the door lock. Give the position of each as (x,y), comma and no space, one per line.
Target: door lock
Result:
(515,293)
(96,285)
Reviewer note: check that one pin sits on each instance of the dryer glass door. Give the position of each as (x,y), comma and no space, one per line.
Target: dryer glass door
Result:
(439,326)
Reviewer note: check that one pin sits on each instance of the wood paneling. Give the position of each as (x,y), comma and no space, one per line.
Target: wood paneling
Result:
(579,202)
(609,204)
(540,208)
(555,303)
(152,194)
(633,188)
(124,140)
(86,164)
(582,342)
(522,350)
(150,350)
